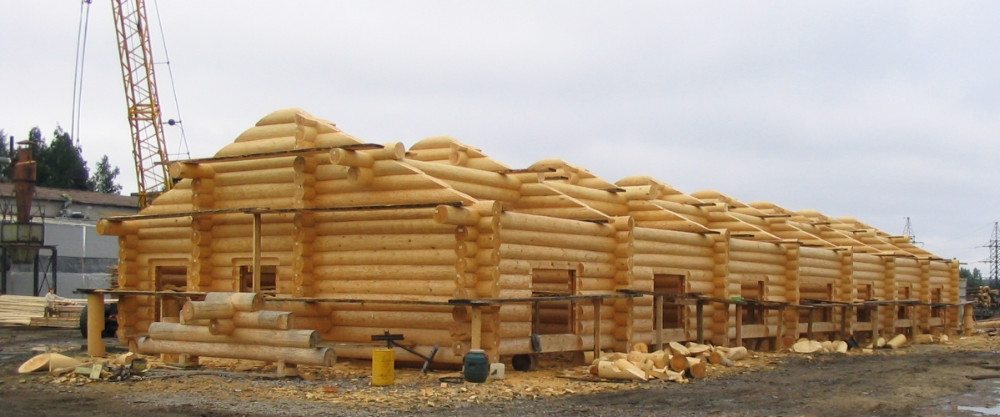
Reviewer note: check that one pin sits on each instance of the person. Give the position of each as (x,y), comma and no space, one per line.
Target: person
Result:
(51,300)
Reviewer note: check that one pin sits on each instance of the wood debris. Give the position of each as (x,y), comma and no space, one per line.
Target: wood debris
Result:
(676,363)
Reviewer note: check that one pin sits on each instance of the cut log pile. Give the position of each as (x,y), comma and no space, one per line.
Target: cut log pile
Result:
(676,363)
(235,326)
(804,345)
(985,296)
(28,310)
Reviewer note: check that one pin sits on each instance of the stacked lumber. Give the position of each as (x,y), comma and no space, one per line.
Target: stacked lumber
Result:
(235,326)
(30,311)
(676,363)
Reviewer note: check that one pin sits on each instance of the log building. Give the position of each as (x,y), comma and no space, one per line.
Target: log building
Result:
(338,240)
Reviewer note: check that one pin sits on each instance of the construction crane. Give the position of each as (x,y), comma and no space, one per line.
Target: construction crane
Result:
(148,141)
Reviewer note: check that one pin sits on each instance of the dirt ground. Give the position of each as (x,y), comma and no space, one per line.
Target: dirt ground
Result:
(921,380)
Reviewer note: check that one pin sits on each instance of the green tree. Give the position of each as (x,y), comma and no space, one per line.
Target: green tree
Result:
(973,278)
(103,180)
(60,164)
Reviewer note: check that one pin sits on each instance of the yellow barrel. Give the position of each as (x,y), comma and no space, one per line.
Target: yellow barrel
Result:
(383,367)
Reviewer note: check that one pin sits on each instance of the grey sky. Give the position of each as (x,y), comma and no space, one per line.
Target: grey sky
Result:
(875,110)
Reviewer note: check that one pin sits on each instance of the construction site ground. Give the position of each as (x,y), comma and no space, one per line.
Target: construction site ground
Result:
(925,380)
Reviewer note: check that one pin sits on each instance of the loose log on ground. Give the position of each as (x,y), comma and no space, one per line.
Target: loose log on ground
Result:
(194,310)
(896,342)
(282,338)
(300,356)
(737,353)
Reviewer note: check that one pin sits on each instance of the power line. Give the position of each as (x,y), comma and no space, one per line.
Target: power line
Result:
(81,52)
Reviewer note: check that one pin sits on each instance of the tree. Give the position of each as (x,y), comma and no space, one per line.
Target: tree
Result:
(973,278)
(60,164)
(103,180)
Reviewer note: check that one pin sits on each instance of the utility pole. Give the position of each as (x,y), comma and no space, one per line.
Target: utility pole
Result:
(994,255)
(908,231)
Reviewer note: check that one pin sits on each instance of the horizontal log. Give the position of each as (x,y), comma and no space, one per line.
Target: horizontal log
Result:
(443,287)
(277,320)
(373,242)
(194,310)
(284,338)
(397,319)
(673,261)
(467,175)
(387,257)
(241,301)
(360,334)
(383,226)
(741,245)
(530,252)
(742,267)
(559,240)
(389,197)
(518,221)
(300,356)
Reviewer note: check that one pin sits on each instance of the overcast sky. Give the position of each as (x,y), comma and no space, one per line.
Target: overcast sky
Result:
(877,110)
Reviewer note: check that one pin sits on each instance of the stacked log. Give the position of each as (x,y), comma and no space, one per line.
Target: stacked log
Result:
(234,325)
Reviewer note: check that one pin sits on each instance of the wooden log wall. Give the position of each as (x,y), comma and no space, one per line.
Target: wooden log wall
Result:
(527,243)
(821,277)
(789,316)
(668,252)
(761,270)
(513,224)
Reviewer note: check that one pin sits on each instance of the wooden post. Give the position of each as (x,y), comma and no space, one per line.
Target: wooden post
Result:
(477,327)
(812,318)
(844,311)
(657,321)
(597,326)
(95,324)
(739,324)
(535,319)
(968,320)
(780,333)
(256,252)
(700,311)
(875,320)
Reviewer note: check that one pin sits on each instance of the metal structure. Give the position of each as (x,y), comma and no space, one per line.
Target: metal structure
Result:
(148,141)
(994,260)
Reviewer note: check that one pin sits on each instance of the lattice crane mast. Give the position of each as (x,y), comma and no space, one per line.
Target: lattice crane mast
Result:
(148,141)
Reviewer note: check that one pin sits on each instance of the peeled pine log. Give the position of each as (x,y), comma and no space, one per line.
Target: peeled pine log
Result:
(696,368)
(716,358)
(678,363)
(241,301)
(300,356)
(896,342)
(737,353)
(266,319)
(611,370)
(807,346)
(221,326)
(280,338)
(840,346)
(679,349)
(195,310)
(696,349)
